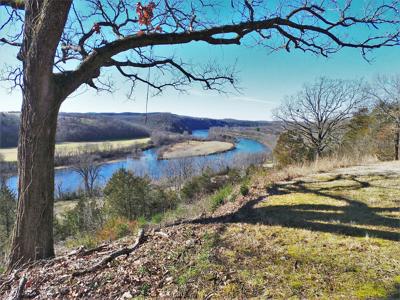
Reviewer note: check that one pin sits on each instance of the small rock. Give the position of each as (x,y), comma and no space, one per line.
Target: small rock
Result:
(190,243)
(64,291)
(126,295)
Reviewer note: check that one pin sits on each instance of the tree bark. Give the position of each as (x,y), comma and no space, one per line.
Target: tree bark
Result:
(33,233)
(43,94)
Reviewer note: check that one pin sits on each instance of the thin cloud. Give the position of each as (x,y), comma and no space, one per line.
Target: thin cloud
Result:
(202,93)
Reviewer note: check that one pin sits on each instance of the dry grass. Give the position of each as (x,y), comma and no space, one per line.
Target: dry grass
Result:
(327,236)
(320,166)
(61,207)
(196,148)
(10,154)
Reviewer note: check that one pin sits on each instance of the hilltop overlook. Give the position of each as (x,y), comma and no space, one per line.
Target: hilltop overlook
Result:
(282,240)
(266,165)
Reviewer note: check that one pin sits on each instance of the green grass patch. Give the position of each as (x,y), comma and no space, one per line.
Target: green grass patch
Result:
(371,291)
(86,239)
(220,197)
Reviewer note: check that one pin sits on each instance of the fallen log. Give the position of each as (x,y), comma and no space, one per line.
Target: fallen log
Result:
(112,256)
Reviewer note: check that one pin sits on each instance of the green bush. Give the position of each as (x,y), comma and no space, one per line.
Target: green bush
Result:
(7,215)
(197,187)
(85,217)
(132,197)
(244,190)
(220,197)
(157,218)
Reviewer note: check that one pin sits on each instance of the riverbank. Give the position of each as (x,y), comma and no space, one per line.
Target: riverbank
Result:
(195,148)
(264,135)
(65,149)
(68,181)
(66,153)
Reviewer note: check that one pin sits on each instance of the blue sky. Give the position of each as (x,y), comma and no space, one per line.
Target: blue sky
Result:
(265,79)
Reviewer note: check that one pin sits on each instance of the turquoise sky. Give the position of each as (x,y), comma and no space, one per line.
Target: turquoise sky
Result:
(265,79)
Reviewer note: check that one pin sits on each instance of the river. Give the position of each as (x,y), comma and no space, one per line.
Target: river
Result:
(66,180)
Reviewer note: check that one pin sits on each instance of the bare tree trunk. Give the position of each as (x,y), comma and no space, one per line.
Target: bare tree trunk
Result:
(33,233)
(317,153)
(32,237)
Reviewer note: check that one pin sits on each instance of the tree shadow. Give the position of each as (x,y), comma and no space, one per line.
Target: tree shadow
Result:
(395,294)
(350,217)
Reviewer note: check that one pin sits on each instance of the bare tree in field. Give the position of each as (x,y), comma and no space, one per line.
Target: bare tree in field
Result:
(64,46)
(320,110)
(386,92)
(89,170)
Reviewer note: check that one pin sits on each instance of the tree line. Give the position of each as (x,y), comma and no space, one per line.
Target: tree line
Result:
(347,117)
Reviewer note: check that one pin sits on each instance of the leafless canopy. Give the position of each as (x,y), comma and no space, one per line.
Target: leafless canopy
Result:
(320,110)
(386,92)
(103,34)
(87,167)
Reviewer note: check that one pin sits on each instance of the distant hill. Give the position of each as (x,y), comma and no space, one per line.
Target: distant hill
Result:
(75,127)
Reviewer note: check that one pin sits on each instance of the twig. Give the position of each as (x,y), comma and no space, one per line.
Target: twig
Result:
(82,252)
(17,294)
(162,234)
(112,256)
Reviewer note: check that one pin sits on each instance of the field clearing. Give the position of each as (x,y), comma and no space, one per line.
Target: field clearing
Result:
(196,148)
(10,154)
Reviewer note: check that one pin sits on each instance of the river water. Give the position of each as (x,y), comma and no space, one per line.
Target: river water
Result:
(66,180)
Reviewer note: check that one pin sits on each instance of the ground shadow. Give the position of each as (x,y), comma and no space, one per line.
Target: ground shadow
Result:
(350,218)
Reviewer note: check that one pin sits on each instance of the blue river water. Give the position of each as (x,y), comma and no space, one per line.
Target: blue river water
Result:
(67,180)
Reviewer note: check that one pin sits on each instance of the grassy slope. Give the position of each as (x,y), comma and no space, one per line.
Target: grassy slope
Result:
(10,154)
(196,148)
(331,237)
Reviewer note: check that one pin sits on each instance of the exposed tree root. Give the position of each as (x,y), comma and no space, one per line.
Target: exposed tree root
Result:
(112,256)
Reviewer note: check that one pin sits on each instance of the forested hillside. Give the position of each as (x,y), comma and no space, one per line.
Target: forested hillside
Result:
(76,127)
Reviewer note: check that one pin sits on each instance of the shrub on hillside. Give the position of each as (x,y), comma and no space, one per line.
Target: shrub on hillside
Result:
(220,197)
(290,149)
(116,228)
(197,186)
(86,216)
(244,190)
(7,215)
(131,197)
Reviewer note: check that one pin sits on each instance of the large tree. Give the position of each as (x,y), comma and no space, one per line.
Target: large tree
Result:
(386,93)
(64,45)
(320,111)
